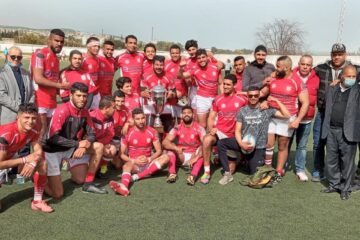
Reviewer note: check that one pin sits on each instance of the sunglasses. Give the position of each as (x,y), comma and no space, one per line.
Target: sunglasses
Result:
(14,57)
(253,95)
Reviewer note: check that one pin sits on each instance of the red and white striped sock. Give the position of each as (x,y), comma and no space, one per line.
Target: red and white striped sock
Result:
(39,184)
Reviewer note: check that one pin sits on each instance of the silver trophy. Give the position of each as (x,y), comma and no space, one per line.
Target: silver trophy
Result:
(158,98)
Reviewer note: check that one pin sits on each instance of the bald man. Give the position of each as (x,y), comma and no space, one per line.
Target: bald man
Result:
(15,86)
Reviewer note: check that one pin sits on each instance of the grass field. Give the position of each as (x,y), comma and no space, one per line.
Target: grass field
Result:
(157,210)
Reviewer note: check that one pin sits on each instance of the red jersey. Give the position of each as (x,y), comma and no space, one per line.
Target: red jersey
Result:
(189,138)
(131,65)
(72,76)
(287,90)
(91,65)
(226,108)
(147,67)
(104,127)
(140,142)
(152,80)
(46,60)
(120,118)
(207,79)
(238,86)
(12,140)
(171,71)
(106,75)
(132,101)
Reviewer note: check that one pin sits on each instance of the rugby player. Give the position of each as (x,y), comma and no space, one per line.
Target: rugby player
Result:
(107,68)
(149,52)
(132,99)
(239,66)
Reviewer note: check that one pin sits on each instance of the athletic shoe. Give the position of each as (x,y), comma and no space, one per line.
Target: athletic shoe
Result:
(302,176)
(205,178)
(42,206)
(92,188)
(135,178)
(226,178)
(171,178)
(119,188)
(190,180)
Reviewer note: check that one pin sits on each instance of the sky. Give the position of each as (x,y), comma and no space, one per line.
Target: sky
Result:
(228,24)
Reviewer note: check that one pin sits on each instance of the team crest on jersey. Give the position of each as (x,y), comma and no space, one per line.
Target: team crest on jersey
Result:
(223,105)
(148,140)
(172,70)
(288,88)
(135,141)
(192,136)
(182,136)
(127,61)
(102,65)
(236,104)
(127,104)
(90,66)
(138,60)
(214,74)
(273,85)
(52,64)
(83,77)
(204,76)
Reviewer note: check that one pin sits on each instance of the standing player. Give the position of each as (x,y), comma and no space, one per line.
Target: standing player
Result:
(208,79)
(132,99)
(13,137)
(131,62)
(222,121)
(149,52)
(158,77)
(71,136)
(187,150)
(107,68)
(73,74)
(290,92)
(91,65)
(136,150)
(104,131)
(239,66)
(45,72)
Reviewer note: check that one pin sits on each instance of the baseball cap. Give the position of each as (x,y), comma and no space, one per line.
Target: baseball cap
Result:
(338,48)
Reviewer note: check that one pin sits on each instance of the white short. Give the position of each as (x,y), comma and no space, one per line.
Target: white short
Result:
(48,111)
(281,126)
(203,104)
(95,102)
(54,161)
(192,96)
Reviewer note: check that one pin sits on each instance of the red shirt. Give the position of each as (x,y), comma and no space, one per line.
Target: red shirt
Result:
(238,86)
(139,142)
(171,71)
(73,76)
(189,138)
(120,117)
(104,127)
(147,67)
(226,108)
(131,65)
(91,65)
(46,60)
(106,75)
(132,101)
(12,140)
(207,80)
(152,80)
(287,90)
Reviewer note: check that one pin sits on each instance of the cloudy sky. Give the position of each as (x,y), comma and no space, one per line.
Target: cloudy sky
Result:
(228,24)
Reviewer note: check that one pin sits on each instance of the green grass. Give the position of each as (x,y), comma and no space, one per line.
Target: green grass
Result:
(156,210)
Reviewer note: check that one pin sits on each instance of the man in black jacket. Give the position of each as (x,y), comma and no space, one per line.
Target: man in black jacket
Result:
(71,137)
(341,132)
(328,73)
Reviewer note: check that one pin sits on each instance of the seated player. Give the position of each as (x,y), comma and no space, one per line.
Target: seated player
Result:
(13,137)
(132,99)
(71,136)
(104,131)
(122,122)
(189,135)
(252,121)
(138,143)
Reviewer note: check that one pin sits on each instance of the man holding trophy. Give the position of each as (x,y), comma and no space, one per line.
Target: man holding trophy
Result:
(158,93)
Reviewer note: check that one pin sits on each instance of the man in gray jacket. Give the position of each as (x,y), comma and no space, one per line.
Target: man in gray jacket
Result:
(15,86)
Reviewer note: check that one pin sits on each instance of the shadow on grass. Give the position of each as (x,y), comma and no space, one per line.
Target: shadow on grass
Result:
(15,198)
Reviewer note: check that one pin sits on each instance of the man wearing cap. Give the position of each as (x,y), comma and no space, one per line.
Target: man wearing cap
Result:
(328,74)
(258,70)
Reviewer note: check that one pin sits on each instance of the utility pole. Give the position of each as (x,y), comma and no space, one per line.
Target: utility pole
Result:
(341,21)
(152,34)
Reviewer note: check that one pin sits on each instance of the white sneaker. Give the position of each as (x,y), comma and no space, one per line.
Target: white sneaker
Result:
(134,178)
(226,178)
(302,176)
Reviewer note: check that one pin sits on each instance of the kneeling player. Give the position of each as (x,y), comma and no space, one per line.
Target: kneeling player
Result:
(187,151)
(138,142)
(71,136)
(13,137)
(104,130)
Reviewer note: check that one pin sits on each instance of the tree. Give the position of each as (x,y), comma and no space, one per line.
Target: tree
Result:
(282,37)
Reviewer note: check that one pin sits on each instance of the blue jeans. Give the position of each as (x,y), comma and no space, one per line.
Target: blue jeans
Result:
(319,146)
(302,136)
